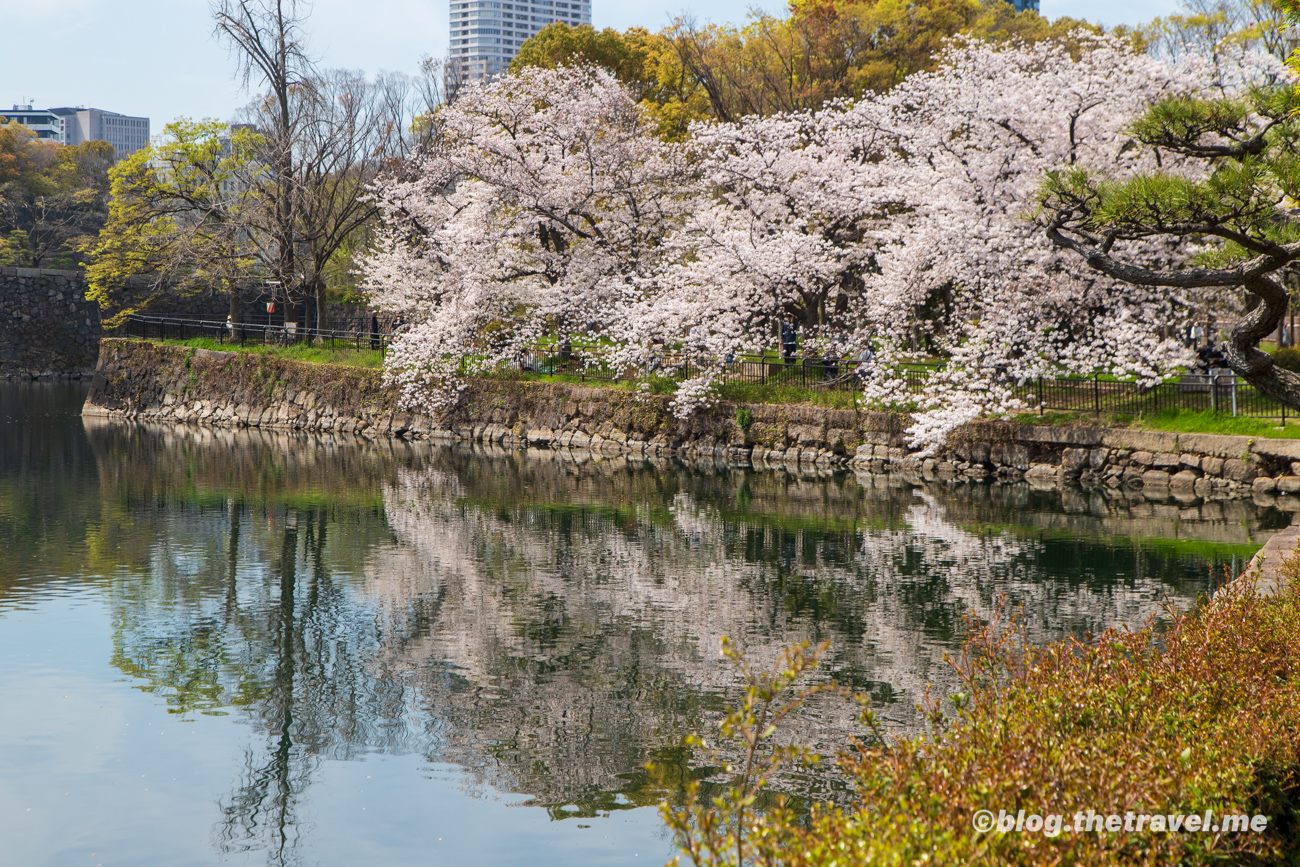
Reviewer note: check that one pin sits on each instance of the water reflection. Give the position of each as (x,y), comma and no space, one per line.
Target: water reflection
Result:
(546,622)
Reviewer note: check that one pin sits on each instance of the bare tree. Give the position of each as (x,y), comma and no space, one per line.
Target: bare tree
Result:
(327,134)
(1208,27)
(268,41)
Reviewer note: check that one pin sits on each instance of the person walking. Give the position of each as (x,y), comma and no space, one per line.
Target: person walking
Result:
(789,340)
(866,362)
(374,331)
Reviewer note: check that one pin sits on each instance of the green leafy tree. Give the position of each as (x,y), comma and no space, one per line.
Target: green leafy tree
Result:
(282,196)
(648,63)
(823,50)
(184,213)
(52,197)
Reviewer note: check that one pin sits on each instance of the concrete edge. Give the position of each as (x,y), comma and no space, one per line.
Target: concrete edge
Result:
(1263,567)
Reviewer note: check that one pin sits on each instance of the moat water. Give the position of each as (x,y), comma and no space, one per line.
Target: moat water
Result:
(255,648)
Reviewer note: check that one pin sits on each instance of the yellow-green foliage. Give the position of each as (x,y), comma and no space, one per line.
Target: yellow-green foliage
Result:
(821,51)
(1203,717)
(182,212)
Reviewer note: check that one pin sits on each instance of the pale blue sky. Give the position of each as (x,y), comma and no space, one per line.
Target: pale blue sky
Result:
(157,58)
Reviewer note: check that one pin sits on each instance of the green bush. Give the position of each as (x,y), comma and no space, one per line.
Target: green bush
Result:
(744,417)
(1204,717)
(1288,359)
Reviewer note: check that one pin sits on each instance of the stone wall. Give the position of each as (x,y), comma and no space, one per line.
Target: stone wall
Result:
(47,327)
(168,383)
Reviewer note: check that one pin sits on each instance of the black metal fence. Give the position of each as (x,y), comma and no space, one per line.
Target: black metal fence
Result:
(244,333)
(1219,391)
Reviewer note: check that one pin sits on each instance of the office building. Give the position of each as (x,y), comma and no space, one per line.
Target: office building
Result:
(126,134)
(72,126)
(46,124)
(486,34)
(1025,5)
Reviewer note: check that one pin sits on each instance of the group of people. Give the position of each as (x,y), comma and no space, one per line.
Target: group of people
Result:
(1201,338)
(832,359)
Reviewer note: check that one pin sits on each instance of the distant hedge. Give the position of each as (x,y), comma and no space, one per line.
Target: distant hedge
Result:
(1288,359)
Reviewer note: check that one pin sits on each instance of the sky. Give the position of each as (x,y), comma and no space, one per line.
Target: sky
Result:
(158,58)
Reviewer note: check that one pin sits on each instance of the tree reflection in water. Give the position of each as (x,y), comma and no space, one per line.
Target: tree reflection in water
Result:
(550,624)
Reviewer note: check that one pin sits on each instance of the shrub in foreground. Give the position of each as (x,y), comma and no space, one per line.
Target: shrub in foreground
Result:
(1204,716)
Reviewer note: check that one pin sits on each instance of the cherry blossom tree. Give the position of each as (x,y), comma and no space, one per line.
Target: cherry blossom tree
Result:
(900,223)
(541,208)
(787,226)
(969,278)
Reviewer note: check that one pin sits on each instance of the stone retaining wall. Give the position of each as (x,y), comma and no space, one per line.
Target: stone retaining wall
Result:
(168,383)
(47,327)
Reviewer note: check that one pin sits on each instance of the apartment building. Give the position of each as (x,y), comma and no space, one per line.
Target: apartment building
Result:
(486,35)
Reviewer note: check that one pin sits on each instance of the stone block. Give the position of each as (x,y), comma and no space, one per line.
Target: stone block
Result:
(1139,440)
(1016,455)
(1289,484)
(1218,445)
(1041,471)
(1288,450)
(1184,479)
(1074,460)
(1142,459)
(1264,485)
(1212,466)
(1239,471)
(1164,461)
(1156,479)
(1192,462)
(1098,458)
(1072,436)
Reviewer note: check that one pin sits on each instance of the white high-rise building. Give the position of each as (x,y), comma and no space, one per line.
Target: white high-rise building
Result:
(486,34)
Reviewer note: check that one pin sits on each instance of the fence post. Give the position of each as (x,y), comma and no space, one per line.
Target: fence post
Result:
(1214,392)
(1234,394)
(1096,395)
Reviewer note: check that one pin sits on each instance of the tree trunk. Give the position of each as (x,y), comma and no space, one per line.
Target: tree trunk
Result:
(1242,350)
(236,315)
(322,307)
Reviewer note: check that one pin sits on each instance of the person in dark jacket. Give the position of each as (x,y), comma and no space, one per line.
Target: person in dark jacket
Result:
(374,331)
(789,340)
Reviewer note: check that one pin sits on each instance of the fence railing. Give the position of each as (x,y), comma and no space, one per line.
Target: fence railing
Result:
(1219,391)
(241,334)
